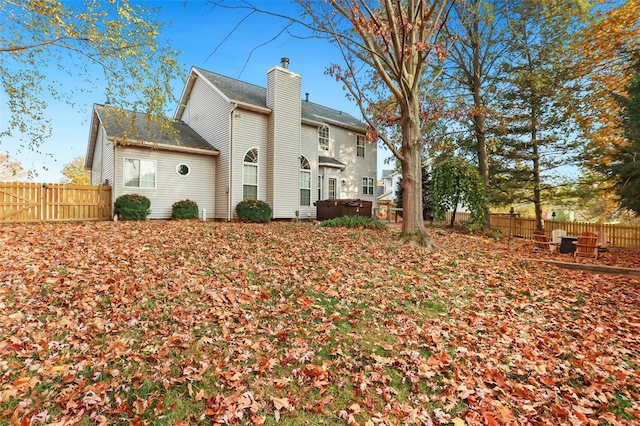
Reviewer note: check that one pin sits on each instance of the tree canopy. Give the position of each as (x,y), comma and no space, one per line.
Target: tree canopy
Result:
(11,170)
(75,173)
(454,183)
(625,164)
(110,43)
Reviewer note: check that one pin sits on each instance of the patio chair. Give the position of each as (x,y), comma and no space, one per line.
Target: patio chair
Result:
(587,245)
(603,241)
(542,242)
(556,236)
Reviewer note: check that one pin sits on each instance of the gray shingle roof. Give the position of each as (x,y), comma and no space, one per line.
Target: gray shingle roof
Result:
(241,91)
(135,126)
(330,161)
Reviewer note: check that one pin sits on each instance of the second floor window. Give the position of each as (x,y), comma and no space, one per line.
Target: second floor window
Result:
(323,138)
(360,145)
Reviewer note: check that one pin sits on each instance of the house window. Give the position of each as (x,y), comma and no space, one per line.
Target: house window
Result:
(305,182)
(320,180)
(367,186)
(139,173)
(250,175)
(360,145)
(183,169)
(323,138)
(333,188)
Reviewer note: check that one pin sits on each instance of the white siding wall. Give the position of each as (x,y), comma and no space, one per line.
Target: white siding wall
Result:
(249,131)
(209,114)
(309,148)
(284,99)
(170,187)
(96,166)
(102,168)
(356,167)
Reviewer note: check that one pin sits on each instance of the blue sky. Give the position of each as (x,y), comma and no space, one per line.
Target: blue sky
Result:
(196,30)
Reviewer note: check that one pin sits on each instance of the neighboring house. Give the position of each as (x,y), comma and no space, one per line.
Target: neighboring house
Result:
(390,180)
(237,141)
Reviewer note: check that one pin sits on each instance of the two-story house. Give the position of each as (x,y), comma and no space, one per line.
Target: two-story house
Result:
(390,180)
(232,141)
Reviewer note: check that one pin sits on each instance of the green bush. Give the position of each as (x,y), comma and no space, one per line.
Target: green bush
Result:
(365,222)
(255,211)
(132,207)
(184,209)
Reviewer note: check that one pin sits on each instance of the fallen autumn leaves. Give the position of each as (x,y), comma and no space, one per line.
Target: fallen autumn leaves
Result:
(192,322)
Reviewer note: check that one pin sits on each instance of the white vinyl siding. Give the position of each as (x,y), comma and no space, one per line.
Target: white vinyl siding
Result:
(102,168)
(249,132)
(96,166)
(283,97)
(209,114)
(309,150)
(356,167)
(170,187)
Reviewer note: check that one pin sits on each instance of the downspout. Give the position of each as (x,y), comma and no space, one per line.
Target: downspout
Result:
(234,105)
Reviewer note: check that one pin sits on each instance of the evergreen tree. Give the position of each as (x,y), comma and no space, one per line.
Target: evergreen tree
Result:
(625,167)
(538,96)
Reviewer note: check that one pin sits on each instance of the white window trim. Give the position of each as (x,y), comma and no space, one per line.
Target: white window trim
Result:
(335,188)
(323,147)
(370,184)
(306,171)
(178,169)
(155,173)
(358,146)
(256,165)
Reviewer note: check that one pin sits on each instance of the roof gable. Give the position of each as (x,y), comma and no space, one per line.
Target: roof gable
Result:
(135,127)
(251,94)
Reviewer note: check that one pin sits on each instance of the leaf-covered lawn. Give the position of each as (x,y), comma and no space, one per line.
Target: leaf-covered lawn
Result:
(192,322)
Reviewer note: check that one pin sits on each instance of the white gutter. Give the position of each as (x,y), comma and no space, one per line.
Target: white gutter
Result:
(164,147)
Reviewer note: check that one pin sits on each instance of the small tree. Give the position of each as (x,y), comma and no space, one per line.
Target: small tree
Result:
(455,182)
(10,170)
(75,173)
(115,43)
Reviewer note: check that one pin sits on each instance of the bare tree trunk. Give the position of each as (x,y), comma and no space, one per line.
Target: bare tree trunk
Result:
(412,221)
(537,199)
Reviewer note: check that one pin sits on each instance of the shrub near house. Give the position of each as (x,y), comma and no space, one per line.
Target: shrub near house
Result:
(132,207)
(253,211)
(184,209)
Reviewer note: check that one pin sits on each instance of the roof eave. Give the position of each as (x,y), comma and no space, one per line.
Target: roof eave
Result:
(164,147)
(93,136)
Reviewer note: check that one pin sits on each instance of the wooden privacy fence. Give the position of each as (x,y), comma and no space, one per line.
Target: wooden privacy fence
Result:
(53,202)
(624,236)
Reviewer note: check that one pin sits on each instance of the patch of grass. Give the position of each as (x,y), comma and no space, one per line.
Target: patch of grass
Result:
(618,405)
(364,222)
